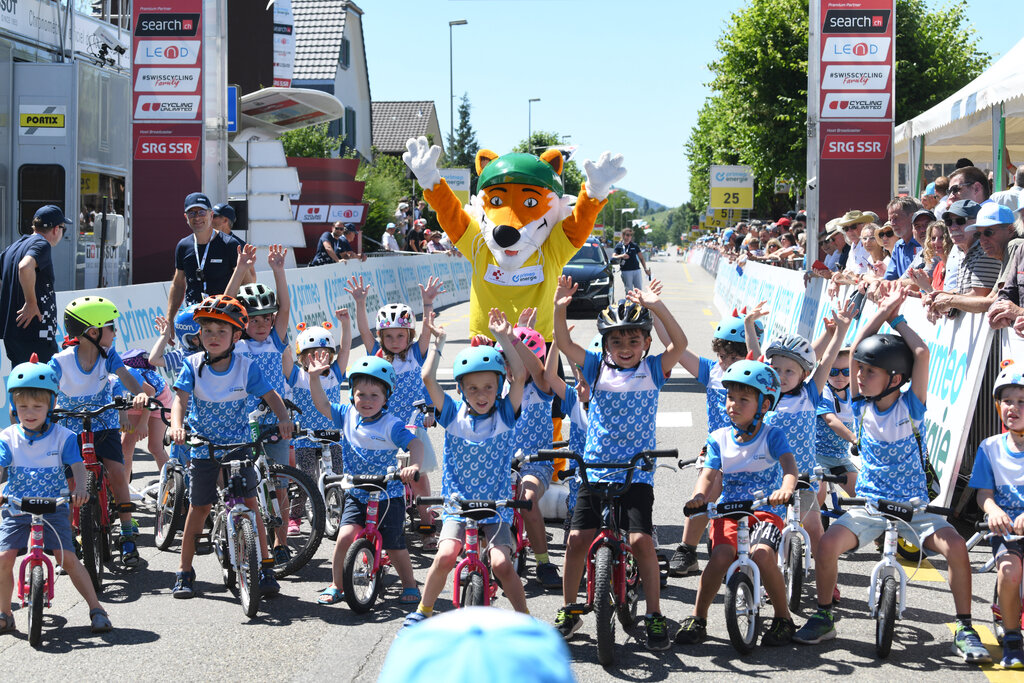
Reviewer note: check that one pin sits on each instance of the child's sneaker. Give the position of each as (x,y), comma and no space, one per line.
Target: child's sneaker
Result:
(129,550)
(294,527)
(821,626)
(683,562)
(780,632)
(282,554)
(547,576)
(1013,651)
(413,618)
(183,587)
(657,632)
(567,623)
(269,587)
(693,630)
(967,643)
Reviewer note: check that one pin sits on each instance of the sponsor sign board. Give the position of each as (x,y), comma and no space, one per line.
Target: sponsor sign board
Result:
(732,187)
(42,120)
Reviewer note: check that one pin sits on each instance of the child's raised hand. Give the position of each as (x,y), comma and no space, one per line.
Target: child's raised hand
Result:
(892,300)
(320,363)
(498,322)
(645,298)
(845,315)
(358,289)
(343,316)
(830,326)
(163,327)
(275,257)
(759,311)
(481,340)
(528,317)
(434,287)
(247,255)
(566,288)
(655,286)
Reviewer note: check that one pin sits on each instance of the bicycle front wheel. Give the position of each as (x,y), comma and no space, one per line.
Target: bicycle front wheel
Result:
(794,572)
(333,505)
(473,591)
(247,555)
(885,620)
(604,605)
(741,613)
(36,598)
(627,612)
(359,577)
(89,518)
(309,515)
(170,510)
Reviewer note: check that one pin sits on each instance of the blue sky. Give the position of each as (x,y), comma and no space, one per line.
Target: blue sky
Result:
(621,76)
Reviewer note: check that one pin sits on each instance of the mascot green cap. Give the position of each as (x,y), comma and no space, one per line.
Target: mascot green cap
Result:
(524,169)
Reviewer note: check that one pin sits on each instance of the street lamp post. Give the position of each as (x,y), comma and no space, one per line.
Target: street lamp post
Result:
(529,124)
(451,79)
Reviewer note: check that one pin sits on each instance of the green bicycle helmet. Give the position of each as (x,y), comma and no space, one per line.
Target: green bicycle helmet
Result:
(258,299)
(88,312)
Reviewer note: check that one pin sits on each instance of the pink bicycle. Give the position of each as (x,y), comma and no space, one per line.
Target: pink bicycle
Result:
(365,562)
(37,591)
(473,584)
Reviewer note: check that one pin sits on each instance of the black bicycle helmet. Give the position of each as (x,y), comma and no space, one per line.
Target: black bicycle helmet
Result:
(886,351)
(624,315)
(258,299)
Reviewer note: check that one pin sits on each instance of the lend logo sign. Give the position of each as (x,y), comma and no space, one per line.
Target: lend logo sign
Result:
(856,21)
(167,80)
(153,148)
(167,52)
(863,106)
(160,107)
(856,49)
(855,147)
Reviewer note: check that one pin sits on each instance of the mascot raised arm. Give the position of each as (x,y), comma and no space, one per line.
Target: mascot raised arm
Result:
(520,229)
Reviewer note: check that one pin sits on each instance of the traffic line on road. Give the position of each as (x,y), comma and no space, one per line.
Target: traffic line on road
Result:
(926,573)
(686,271)
(706,311)
(669,420)
(993,672)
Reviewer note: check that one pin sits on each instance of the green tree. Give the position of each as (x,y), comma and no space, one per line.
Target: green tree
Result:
(385,185)
(313,141)
(612,217)
(462,150)
(572,176)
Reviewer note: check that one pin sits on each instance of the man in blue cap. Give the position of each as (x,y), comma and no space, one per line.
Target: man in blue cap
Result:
(224,218)
(203,261)
(28,305)
(929,197)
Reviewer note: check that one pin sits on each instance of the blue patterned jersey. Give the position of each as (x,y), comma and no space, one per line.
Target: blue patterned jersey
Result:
(79,388)
(533,430)
(890,456)
(217,409)
(372,446)
(477,458)
(826,441)
(409,386)
(150,377)
(268,356)
(621,418)
(312,418)
(710,375)
(174,359)
(748,467)
(577,415)
(1001,470)
(35,466)
(795,415)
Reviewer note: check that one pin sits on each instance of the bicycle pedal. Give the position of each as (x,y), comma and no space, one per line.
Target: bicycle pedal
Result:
(579,610)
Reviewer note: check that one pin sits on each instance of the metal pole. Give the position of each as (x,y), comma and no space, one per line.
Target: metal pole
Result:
(451,80)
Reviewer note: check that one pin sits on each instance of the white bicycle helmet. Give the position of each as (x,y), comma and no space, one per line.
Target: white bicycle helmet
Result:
(795,347)
(1011,375)
(395,316)
(315,337)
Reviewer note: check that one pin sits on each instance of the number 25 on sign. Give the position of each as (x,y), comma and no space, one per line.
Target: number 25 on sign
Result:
(732,197)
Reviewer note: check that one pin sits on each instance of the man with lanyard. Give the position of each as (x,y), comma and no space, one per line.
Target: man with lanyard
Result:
(203,261)
(28,305)
(631,259)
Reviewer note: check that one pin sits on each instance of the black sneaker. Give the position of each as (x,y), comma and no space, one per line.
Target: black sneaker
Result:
(693,630)
(282,554)
(657,632)
(683,562)
(780,632)
(269,587)
(566,623)
(547,576)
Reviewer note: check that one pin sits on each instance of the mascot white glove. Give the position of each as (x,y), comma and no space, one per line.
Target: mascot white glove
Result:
(421,158)
(600,176)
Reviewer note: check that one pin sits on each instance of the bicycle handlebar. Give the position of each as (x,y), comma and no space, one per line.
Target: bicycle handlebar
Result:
(367,480)
(319,435)
(547,454)
(904,510)
(462,504)
(36,505)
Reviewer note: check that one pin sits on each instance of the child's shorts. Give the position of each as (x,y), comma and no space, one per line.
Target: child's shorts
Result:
(634,510)
(203,475)
(390,519)
(808,504)
(766,531)
(107,443)
(868,528)
(542,471)
(497,534)
(1001,547)
(15,528)
(835,465)
(279,452)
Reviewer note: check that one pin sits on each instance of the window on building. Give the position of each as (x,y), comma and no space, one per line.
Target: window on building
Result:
(344,53)
(350,128)
(38,185)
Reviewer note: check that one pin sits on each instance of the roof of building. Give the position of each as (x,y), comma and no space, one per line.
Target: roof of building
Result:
(319,28)
(395,122)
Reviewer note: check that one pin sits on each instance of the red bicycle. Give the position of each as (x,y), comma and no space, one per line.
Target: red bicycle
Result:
(522,541)
(613,579)
(366,563)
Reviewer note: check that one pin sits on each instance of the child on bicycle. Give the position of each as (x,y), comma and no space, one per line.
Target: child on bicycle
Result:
(998,475)
(624,382)
(802,378)
(265,341)
(393,338)
(834,430)
(373,437)
(33,453)
(746,458)
(213,387)
(477,456)
(310,340)
(82,370)
(892,468)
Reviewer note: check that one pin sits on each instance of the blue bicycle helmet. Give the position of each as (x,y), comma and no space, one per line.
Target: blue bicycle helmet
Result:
(186,328)
(760,376)
(32,375)
(731,329)
(479,359)
(375,367)
(597,343)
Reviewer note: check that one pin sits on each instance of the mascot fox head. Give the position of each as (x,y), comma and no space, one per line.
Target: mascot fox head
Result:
(520,200)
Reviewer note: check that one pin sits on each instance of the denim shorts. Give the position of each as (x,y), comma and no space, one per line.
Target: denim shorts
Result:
(390,519)
(542,471)
(831,463)
(15,528)
(278,453)
(203,481)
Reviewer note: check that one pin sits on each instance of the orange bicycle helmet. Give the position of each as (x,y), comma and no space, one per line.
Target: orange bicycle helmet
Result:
(224,308)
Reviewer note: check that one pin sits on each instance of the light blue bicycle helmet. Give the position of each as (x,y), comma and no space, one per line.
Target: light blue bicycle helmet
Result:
(32,375)
(375,367)
(479,359)
(760,376)
(186,328)
(731,329)
(597,343)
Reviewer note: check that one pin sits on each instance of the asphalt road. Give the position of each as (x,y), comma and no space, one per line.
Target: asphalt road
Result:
(159,638)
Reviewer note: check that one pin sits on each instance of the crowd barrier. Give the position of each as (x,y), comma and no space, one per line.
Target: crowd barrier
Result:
(315,294)
(962,364)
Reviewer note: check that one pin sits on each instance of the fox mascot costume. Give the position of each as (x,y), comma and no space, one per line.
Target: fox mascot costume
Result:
(520,229)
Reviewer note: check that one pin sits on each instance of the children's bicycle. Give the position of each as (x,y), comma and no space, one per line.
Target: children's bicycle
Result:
(613,579)
(171,502)
(366,563)
(983,533)
(519,536)
(472,583)
(35,574)
(887,589)
(327,482)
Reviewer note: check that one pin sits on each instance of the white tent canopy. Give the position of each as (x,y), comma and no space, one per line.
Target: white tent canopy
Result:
(969,123)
